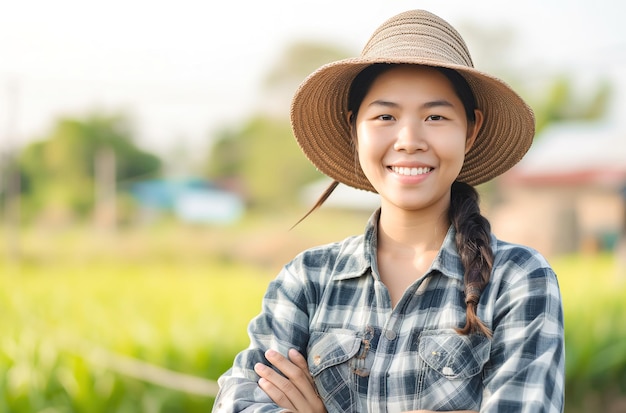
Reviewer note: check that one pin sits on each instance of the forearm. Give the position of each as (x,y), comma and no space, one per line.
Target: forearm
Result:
(242,395)
(276,327)
(452,411)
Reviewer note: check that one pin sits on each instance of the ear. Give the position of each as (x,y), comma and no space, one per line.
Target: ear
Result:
(349,119)
(473,129)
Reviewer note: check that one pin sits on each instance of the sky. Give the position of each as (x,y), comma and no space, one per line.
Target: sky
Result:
(184,69)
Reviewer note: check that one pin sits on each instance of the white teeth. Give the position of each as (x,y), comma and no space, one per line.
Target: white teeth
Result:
(410,171)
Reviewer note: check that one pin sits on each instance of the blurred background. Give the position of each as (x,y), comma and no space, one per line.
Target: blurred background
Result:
(149,181)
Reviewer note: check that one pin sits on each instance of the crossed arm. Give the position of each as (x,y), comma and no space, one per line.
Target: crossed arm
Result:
(295,391)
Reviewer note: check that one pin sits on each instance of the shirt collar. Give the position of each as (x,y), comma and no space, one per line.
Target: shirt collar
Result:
(363,255)
(448,261)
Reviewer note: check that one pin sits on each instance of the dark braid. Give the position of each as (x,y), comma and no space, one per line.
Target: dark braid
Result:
(473,241)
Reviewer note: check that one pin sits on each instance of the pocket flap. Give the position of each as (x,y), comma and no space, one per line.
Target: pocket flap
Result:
(453,355)
(331,347)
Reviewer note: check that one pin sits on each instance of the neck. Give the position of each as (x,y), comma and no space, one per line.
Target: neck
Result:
(401,230)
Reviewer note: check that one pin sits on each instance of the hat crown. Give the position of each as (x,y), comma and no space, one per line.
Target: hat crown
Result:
(418,35)
(319,106)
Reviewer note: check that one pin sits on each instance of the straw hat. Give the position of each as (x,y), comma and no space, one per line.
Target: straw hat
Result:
(320,105)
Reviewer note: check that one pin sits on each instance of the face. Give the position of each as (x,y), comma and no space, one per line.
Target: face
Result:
(412,136)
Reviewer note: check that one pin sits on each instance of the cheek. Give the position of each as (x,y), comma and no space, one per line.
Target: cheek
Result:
(368,155)
(370,141)
(450,153)
(362,155)
(367,147)
(453,148)
(455,155)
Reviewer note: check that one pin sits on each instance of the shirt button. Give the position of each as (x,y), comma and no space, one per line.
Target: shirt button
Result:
(390,335)
(317,360)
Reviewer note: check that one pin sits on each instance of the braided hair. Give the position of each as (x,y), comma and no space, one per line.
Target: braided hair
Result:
(473,242)
(473,231)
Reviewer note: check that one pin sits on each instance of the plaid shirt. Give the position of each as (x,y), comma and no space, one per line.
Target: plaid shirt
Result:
(365,356)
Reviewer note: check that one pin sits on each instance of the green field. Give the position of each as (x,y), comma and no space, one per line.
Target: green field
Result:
(56,320)
(82,312)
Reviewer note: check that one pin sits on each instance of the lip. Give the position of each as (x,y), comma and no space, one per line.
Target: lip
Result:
(407,163)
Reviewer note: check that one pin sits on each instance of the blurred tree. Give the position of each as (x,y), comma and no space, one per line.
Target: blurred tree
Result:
(264,160)
(554,97)
(59,171)
(261,155)
(559,102)
(297,61)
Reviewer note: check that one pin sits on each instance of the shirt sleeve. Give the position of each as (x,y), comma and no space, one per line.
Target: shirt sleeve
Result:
(281,325)
(527,362)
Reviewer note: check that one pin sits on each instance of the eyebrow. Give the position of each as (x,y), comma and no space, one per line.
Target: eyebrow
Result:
(427,105)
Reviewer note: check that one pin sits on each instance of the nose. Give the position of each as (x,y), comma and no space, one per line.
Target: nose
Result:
(410,139)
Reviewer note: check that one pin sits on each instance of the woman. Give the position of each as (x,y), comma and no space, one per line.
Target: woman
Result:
(427,310)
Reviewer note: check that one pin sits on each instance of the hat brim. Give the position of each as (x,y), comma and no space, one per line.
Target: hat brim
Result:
(320,124)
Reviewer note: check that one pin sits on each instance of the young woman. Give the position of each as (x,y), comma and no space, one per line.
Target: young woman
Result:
(427,310)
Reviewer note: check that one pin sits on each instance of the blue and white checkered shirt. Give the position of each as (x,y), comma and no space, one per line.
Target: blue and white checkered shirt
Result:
(365,356)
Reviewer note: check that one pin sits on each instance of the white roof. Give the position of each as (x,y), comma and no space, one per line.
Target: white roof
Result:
(576,147)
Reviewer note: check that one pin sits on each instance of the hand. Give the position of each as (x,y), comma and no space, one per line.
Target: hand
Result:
(296,391)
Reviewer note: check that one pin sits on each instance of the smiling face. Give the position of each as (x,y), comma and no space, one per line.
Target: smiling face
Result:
(412,137)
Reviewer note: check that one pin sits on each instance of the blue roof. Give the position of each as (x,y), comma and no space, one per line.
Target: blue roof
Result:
(191,199)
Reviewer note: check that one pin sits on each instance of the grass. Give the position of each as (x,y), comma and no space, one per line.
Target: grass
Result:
(183,312)
(593,289)
(181,299)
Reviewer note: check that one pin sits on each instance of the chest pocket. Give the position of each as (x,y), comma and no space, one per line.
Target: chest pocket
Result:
(328,356)
(454,356)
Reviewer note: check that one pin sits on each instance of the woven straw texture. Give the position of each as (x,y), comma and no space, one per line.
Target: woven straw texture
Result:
(319,107)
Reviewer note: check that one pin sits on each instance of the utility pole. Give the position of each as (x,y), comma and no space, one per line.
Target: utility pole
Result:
(105,189)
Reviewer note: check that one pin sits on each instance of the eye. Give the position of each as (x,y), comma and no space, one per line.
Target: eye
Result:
(435,117)
(385,117)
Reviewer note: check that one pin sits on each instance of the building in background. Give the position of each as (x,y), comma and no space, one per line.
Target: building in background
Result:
(191,200)
(567,194)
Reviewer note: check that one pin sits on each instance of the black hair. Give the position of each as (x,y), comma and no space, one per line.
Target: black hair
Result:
(473,231)
(363,82)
